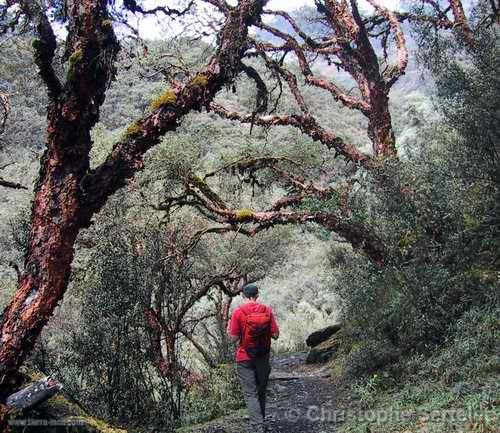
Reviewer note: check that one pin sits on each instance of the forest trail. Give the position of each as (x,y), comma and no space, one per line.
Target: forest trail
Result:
(298,395)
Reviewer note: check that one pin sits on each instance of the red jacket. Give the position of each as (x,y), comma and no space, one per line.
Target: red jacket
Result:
(238,322)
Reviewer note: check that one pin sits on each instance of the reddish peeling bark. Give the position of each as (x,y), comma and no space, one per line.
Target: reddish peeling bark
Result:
(380,128)
(57,205)
(308,125)
(126,156)
(54,227)
(462,22)
(67,195)
(362,64)
(451,15)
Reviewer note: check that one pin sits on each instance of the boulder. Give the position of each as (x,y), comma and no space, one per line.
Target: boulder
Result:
(322,335)
(325,351)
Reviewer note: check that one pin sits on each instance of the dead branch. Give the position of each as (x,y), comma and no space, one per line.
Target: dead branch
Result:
(9,184)
(33,394)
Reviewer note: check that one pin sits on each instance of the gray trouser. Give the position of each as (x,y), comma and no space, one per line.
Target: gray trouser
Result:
(254,375)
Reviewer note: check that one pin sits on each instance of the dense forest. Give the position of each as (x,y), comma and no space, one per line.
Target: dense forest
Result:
(343,155)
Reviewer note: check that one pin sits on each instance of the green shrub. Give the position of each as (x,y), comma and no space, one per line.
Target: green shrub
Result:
(219,395)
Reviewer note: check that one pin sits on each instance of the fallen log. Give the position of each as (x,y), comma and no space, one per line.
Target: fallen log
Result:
(34,394)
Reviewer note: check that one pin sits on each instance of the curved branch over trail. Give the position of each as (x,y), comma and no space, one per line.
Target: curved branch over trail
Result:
(200,196)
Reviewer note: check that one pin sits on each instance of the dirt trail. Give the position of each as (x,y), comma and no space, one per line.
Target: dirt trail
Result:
(301,400)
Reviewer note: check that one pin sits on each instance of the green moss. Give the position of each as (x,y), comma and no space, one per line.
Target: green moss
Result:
(73,60)
(243,214)
(32,374)
(167,98)
(36,44)
(75,57)
(60,406)
(200,183)
(98,424)
(200,80)
(133,129)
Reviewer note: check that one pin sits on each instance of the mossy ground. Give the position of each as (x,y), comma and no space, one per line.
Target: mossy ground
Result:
(98,424)
(425,407)
(60,408)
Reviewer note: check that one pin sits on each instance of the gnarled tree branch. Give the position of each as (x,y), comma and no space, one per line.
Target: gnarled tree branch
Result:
(360,236)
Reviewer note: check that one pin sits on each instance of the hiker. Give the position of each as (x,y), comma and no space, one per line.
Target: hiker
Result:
(253,324)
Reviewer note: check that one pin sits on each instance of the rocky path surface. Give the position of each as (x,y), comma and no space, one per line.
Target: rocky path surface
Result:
(300,400)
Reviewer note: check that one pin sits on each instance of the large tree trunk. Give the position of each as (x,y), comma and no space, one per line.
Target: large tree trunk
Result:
(54,226)
(57,214)
(380,124)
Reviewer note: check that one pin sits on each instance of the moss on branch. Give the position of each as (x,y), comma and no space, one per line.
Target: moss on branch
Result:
(243,214)
(133,130)
(107,24)
(36,44)
(200,80)
(167,98)
(73,60)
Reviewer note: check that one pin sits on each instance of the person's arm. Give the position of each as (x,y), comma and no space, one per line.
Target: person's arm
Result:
(275,331)
(233,327)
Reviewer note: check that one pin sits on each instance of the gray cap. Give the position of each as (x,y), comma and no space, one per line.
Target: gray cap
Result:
(250,290)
